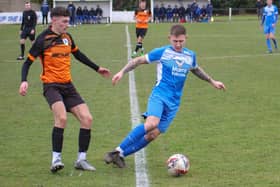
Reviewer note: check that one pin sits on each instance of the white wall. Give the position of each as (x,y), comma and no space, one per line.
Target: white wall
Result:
(122,16)
(105,6)
(16,17)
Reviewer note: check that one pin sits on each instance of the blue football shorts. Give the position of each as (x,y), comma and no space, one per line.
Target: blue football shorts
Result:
(267,29)
(163,109)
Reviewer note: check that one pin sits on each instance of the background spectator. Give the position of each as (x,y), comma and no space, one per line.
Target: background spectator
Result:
(259,6)
(169,13)
(45,11)
(72,11)
(162,12)
(182,11)
(79,14)
(92,16)
(209,10)
(85,15)
(156,14)
(99,14)
(175,14)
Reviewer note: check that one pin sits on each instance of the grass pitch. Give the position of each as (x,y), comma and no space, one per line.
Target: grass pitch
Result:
(231,138)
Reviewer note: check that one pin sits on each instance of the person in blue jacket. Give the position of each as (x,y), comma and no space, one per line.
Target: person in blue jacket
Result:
(45,11)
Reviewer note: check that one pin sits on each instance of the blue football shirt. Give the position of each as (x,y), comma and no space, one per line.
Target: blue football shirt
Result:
(270,13)
(172,70)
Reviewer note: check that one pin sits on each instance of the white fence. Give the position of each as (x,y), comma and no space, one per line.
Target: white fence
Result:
(16,17)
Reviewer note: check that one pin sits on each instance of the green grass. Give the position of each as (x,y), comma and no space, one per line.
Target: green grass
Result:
(231,138)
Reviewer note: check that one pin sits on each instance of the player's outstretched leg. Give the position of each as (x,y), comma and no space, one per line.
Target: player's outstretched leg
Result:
(135,147)
(115,158)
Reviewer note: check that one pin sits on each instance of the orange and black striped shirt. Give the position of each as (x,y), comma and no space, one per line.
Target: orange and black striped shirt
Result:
(54,51)
(142,18)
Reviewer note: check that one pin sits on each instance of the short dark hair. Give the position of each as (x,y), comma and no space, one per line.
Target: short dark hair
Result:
(177,30)
(59,11)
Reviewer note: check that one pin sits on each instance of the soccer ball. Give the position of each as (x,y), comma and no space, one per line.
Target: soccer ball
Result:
(178,165)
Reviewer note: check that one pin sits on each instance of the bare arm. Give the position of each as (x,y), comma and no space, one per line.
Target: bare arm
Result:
(132,64)
(200,73)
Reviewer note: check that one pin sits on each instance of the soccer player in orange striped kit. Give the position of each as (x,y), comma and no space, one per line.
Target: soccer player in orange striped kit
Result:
(142,17)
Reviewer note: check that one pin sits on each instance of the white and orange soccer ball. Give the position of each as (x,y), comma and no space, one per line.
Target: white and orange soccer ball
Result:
(178,165)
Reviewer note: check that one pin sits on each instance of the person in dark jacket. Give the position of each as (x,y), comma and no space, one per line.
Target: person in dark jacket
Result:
(99,13)
(27,28)
(45,11)
(72,11)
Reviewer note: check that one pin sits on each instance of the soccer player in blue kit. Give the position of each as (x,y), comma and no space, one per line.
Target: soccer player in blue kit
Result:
(173,65)
(269,20)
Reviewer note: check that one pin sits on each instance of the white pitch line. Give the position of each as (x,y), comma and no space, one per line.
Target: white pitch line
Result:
(140,157)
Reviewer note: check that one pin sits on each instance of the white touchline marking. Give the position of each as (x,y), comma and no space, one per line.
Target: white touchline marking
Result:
(140,157)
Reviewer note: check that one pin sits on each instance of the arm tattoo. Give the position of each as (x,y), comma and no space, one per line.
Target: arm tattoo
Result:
(132,64)
(201,74)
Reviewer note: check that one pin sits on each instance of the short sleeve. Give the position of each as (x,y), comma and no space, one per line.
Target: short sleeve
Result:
(194,63)
(155,55)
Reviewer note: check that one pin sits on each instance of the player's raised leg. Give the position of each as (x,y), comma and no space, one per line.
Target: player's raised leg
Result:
(137,139)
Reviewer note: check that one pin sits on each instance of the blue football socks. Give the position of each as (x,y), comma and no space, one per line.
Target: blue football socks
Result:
(268,45)
(136,146)
(134,136)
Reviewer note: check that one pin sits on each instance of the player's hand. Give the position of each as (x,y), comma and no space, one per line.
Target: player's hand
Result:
(273,25)
(219,85)
(116,78)
(20,32)
(23,88)
(104,72)
(32,31)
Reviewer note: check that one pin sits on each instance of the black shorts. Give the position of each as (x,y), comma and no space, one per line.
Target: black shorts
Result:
(26,32)
(141,32)
(66,93)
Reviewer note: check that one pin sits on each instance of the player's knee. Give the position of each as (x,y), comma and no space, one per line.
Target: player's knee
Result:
(61,121)
(86,120)
(151,136)
(151,125)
